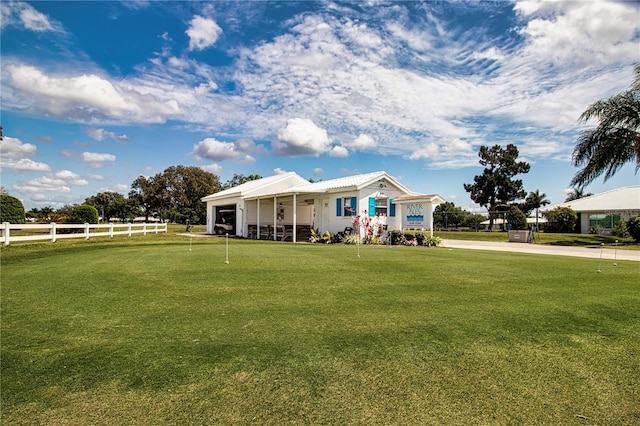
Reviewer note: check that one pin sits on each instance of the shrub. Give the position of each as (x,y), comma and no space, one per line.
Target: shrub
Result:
(633,226)
(432,241)
(395,237)
(596,229)
(11,209)
(351,239)
(420,238)
(83,213)
(516,218)
(561,219)
(620,229)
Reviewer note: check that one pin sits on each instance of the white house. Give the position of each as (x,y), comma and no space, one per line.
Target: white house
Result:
(286,206)
(605,209)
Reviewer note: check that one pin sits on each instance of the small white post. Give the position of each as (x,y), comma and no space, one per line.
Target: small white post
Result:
(615,254)
(226,236)
(53,232)
(86,231)
(144,228)
(129,230)
(190,239)
(6,234)
(600,264)
(111,230)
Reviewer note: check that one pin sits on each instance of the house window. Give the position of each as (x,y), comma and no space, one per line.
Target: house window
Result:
(603,220)
(350,207)
(347,206)
(381,206)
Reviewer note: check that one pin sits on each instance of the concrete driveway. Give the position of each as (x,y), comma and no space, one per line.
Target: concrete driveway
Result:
(608,253)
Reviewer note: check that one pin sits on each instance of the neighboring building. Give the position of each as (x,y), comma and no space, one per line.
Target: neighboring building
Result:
(286,206)
(605,209)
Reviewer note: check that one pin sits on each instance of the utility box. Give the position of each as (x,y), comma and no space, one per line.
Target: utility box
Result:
(519,236)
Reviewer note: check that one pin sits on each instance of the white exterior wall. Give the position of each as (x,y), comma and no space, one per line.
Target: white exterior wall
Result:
(335,223)
(211,212)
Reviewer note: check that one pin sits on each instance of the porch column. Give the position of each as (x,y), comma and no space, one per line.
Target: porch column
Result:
(258,218)
(275,218)
(295,217)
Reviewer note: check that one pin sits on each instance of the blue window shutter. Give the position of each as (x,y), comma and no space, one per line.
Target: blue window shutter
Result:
(372,206)
(354,206)
(392,208)
(339,207)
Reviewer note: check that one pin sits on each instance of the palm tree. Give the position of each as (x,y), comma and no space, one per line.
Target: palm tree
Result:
(615,141)
(576,194)
(535,200)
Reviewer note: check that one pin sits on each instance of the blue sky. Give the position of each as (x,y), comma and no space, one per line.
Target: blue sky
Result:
(96,93)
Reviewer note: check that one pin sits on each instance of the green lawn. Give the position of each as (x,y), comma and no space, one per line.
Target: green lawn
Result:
(144,331)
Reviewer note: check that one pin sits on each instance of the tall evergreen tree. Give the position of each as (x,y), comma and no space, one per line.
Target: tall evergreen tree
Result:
(496,185)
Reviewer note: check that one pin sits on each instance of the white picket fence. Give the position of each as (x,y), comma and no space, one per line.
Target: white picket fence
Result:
(51,231)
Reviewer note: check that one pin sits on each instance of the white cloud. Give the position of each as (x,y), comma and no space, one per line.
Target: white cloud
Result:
(96,159)
(212,168)
(17,13)
(279,171)
(202,32)
(338,151)
(318,171)
(301,137)
(578,34)
(58,182)
(363,142)
(88,95)
(212,149)
(14,153)
(120,187)
(101,134)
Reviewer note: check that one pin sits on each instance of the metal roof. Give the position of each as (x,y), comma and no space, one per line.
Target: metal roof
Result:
(356,182)
(253,187)
(619,199)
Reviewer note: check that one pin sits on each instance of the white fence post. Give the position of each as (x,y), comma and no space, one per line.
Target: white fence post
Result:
(53,232)
(144,229)
(111,230)
(129,230)
(86,231)
(5,234)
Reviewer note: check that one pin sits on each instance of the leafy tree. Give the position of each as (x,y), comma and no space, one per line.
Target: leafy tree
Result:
(83,213)
(576,194)
(142,196)
(239,180)
(615,141)
(633,226)
(561,219)
(472,220)
(447,214)
(122,209)
(516,218)
(102,202)
(11,209)
(496,185)
(180,189)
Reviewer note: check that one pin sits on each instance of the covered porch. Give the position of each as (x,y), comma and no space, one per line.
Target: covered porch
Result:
(279,217)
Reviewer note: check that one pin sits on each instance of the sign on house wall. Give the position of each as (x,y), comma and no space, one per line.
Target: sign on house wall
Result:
(414,215)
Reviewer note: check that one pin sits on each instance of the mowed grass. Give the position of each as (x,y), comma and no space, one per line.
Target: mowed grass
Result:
(144,331)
